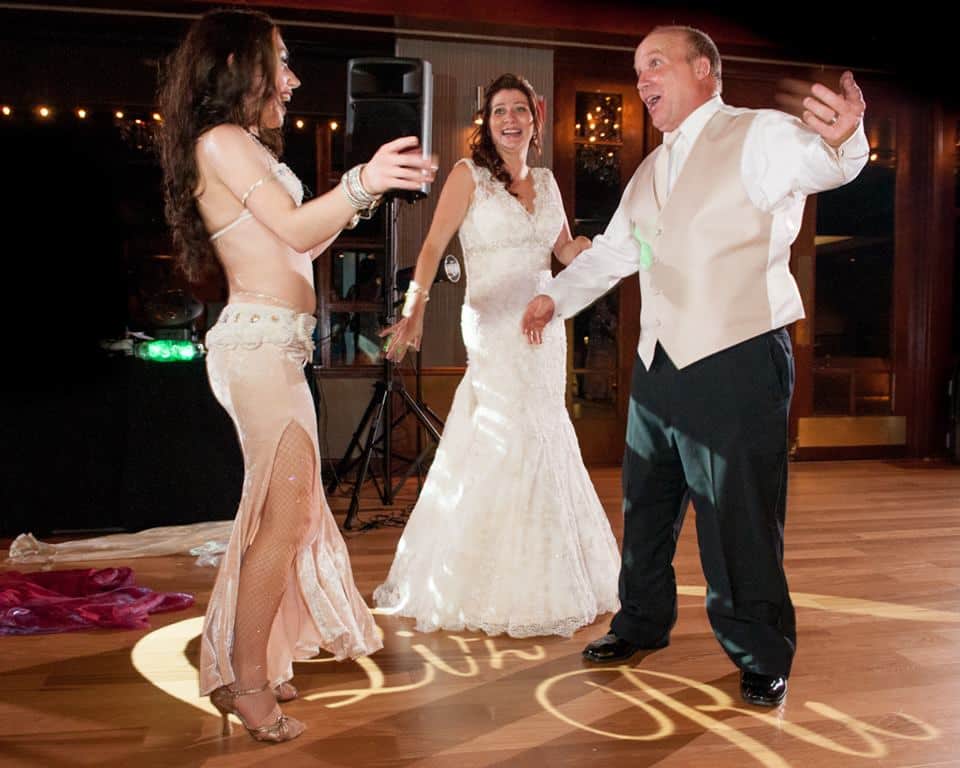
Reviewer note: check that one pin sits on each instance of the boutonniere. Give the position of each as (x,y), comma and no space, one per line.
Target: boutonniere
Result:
(646,252)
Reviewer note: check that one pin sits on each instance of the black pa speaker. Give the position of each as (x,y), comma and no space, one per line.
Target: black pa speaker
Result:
(387,99)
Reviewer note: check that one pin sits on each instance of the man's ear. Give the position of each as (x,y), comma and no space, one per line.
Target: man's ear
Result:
(230,59)
(702,68)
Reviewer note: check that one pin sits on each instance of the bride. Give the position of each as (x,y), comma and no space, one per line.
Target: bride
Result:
(508,534)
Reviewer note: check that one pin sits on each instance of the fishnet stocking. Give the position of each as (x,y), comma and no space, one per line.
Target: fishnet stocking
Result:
(265,569)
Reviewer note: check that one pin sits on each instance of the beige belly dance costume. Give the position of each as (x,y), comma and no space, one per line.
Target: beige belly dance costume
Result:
(255,362)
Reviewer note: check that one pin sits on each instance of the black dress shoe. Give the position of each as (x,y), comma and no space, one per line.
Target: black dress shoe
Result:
(762,690)
(611,648)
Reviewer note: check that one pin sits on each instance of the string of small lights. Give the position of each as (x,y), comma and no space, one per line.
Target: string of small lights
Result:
(601,118)
(139,117)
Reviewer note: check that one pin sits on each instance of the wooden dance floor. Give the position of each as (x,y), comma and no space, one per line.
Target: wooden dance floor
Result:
(873,559)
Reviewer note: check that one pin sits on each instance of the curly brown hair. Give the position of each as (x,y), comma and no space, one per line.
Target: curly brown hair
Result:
(224,71)
(482,148)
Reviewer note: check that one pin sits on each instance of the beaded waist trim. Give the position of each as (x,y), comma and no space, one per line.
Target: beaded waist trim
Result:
(248,326)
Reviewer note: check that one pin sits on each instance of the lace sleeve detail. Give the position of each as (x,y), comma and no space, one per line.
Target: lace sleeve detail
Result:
(471,166)
(482,180)
(551,206)
(546,184)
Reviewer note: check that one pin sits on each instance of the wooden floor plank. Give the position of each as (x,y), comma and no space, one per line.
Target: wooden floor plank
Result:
(873,559)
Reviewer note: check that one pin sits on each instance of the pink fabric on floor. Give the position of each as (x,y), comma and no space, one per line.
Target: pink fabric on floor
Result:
(84,598)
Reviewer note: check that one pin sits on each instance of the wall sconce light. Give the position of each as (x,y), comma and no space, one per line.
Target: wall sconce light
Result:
(882,135)
(478,112)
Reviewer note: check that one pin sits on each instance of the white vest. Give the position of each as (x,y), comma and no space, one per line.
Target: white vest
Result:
(708,284)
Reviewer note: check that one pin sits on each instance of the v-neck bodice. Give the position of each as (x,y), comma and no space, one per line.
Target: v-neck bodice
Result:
(505,246)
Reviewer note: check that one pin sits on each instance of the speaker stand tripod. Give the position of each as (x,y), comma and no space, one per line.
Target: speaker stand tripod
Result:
(375,430)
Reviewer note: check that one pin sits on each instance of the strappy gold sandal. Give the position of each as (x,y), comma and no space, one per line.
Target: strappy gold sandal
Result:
(283,728)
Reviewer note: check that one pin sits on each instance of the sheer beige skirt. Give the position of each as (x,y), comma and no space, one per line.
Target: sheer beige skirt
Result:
(284,590)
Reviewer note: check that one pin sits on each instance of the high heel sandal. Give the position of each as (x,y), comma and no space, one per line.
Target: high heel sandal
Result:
(283,728)
(286,692)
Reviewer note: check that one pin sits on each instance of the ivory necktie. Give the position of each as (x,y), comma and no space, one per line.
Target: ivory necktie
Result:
(665,171)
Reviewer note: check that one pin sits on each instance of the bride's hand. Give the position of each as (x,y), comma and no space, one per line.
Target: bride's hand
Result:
(581,244)
(406,333)
(569,251)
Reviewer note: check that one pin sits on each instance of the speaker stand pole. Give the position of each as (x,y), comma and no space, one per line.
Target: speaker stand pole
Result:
(380,427)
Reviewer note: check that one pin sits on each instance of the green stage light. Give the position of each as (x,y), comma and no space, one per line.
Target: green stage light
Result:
(169,351)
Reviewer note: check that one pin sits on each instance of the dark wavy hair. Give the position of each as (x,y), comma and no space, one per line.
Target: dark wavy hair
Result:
(224,71)
(482,148)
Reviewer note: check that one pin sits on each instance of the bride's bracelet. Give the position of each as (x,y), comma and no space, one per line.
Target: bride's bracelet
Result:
(362,201)
(414,291)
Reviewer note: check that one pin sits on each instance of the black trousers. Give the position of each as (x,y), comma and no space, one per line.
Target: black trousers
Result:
(714,433)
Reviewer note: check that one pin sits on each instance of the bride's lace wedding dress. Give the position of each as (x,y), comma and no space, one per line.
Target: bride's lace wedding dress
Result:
(508,535)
